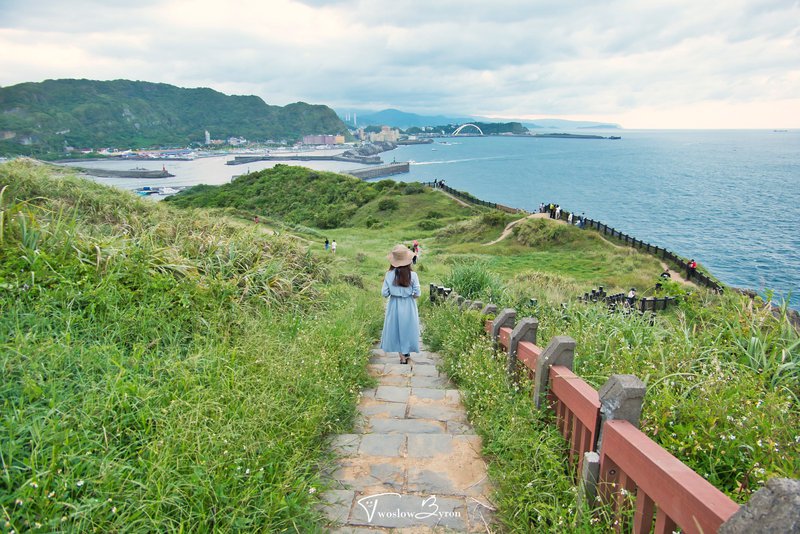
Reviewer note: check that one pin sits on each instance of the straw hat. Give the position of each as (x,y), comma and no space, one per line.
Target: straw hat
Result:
(400,256)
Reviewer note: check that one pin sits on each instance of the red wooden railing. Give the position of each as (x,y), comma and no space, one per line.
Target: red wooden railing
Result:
(577,408)
(630,460)
(528,354)
(664,488)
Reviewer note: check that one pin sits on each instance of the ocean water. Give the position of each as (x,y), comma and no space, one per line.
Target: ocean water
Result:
(729,199)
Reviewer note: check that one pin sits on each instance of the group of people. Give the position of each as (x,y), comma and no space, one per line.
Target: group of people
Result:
(330,245)
(437,183)
(553,209)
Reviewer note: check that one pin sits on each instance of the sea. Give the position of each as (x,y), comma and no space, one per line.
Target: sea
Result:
(730,199)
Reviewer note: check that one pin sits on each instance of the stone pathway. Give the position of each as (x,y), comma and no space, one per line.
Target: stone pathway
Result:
(415,464)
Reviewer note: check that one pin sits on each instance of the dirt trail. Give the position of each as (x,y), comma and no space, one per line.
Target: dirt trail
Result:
(510,226)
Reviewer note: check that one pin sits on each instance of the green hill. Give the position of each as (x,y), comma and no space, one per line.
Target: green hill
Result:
(171,367)
(321,199)
(41,118)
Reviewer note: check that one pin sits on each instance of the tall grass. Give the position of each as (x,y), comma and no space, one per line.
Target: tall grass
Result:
(164,370)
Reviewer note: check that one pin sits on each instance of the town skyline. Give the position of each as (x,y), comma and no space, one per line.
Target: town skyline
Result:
(656,66)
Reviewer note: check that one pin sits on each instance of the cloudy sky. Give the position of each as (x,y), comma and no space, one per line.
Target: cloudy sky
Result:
(643,64)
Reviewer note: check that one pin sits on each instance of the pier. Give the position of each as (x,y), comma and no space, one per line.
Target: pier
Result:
(368,160)
(365,173)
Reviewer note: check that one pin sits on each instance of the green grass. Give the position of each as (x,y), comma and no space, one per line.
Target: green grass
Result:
(170,369)
(165,370)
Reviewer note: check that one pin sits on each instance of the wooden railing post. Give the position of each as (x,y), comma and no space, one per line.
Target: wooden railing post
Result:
(506,318)
(465,304)
(524,331)
(773,508)
(459,301)
(489,309)
(560,351)
(621,397)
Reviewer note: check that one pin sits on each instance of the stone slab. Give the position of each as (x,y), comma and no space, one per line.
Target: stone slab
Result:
(437,412)
(336,504)
(429,382)
(429,445)
(397,369)
(371,475)
(377,408)
(382,445)
(406,426)
(392,393)
(425,370)
(428,393)
(346,444)
(395,510)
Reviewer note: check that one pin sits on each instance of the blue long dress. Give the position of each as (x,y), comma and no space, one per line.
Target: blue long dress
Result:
(401,323)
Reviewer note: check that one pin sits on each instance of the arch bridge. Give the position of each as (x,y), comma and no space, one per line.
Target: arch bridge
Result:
(458,130)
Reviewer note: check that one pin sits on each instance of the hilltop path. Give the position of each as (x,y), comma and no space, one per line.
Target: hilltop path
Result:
(510,226)
(415,462)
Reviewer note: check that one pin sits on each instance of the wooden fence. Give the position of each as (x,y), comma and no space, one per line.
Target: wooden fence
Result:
(645,304)
(611,457)
(678,263)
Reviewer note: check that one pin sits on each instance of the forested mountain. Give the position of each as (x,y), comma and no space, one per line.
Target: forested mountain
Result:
(42,118)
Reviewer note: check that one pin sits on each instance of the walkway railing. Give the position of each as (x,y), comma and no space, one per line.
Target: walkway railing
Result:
(678,262)
(612,458)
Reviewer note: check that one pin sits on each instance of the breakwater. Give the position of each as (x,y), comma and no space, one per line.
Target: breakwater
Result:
(367,160)
(366,173)
(133,173)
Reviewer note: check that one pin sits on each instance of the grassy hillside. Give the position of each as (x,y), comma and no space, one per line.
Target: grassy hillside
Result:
(173,366)
(324,200)
(165,370)
(40,118)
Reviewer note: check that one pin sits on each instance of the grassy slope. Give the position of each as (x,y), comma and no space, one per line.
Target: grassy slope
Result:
(147,378)
(691,401)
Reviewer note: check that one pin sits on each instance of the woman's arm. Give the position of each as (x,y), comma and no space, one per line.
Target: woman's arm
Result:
(385,290)
(415,289)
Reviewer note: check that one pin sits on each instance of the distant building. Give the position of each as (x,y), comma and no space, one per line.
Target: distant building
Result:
(323,139)
(236,141)
(208,138)
(386,134)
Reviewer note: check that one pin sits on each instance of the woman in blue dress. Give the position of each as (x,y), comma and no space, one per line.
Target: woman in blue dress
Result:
(401,323)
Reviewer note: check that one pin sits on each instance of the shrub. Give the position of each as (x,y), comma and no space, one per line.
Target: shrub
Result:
(495,218)
(388,204)
(413,188)
(428,224)
(473,281)
(540,232)
(433,214)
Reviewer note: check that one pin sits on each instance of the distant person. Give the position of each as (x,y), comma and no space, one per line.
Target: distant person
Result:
(666,274)
(691,269)
(333,246)
(631,297)
(327,244)
(569,218)
(583,220)
(401,320)
(558,212)
(541,207)
(415,251)
(255,219)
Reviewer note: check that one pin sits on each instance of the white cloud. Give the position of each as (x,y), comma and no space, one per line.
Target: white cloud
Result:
(670,64)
